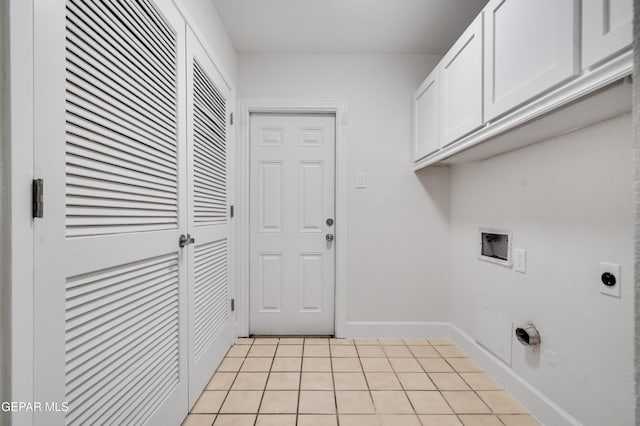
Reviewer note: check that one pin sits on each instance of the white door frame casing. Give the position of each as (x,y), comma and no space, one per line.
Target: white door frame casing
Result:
(246,107)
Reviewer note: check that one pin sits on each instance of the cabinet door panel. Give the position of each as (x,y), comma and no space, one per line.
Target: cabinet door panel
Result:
(606,29)
(426,118)
(530,48)
(461,85)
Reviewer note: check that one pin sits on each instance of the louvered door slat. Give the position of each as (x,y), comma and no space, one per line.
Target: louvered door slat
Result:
(210,291)
(102,26)
(209,149)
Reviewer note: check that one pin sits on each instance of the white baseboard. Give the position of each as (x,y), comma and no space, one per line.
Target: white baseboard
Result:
(545,410)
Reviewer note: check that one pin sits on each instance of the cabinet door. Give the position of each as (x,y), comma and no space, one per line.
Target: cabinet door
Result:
(426,116)
(461,85)
(530,47)
(606,29)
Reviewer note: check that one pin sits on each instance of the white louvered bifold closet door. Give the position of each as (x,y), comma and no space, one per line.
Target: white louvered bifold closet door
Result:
(111,280)
(210,333)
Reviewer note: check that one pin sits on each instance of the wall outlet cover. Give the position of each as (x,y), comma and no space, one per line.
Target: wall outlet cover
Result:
(520,260)
(610,274)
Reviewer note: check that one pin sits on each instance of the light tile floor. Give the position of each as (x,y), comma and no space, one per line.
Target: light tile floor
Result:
(353,382)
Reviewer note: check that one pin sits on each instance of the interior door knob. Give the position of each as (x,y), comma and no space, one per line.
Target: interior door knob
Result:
(329,237)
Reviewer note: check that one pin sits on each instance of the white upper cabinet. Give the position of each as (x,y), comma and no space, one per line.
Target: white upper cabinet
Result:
(426,117)
(461,85)
(530,47)
(606,29)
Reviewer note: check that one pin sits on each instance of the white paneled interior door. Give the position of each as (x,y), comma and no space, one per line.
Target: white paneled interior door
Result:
(292,198)
(210,333)
(130,140)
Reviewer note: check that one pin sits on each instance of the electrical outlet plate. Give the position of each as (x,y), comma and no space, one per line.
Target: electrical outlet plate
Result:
(520,260)
(614,269)
(361,181)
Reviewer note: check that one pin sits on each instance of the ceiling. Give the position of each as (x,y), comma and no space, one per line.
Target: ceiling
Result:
(346,26)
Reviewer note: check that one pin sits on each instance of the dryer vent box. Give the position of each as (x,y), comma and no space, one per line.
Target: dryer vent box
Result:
(495,246)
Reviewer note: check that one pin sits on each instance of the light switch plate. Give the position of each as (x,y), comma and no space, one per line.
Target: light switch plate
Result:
(520,260)
(361,180)
(614,269)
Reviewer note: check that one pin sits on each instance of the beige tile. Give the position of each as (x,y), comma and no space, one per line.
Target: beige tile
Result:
(317,402)
(346,365)
(316,364)
(262,351)
(391,402)
(287,364)
(238,351)
(354,402)
(366,342)
(391,342)
(405,365)
(289,351)
(465,402)
(416,342)
(383,381)
(256,364)
(316,350)
(501,403)
(317,420)
(440,342)
(480,420)
(374,365)
(199,420)
(397,352)
(221,381)
(230,364)
(235,420)
(250,381)
(519,420)
(280,402)
(359,420)
(371,352)
(291,341)
(283,381)
(244,341)
(343,351)
(316,341)
(439,420)
(429,402)
(242,402)
(266,341)
(349,381)
(276,420)
(399,420)
(480,381)
(416,381)
(435,365)
(464,365)
(209,402)
(450,351)
(316,381)
(448,381)
(341,342)
(424,352)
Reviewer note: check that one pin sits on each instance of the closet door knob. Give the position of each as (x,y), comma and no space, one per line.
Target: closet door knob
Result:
(329,237)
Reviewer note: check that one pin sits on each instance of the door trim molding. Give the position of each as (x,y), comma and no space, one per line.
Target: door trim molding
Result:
(246,106)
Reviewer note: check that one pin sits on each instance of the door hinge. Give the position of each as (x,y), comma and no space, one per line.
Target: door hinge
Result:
(233,305)
(37,197)
(231,119)
(231,211)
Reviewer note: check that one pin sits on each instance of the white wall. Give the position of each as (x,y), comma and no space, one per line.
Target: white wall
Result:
(205,17)
(398,225)
(568,202)
(4,308)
